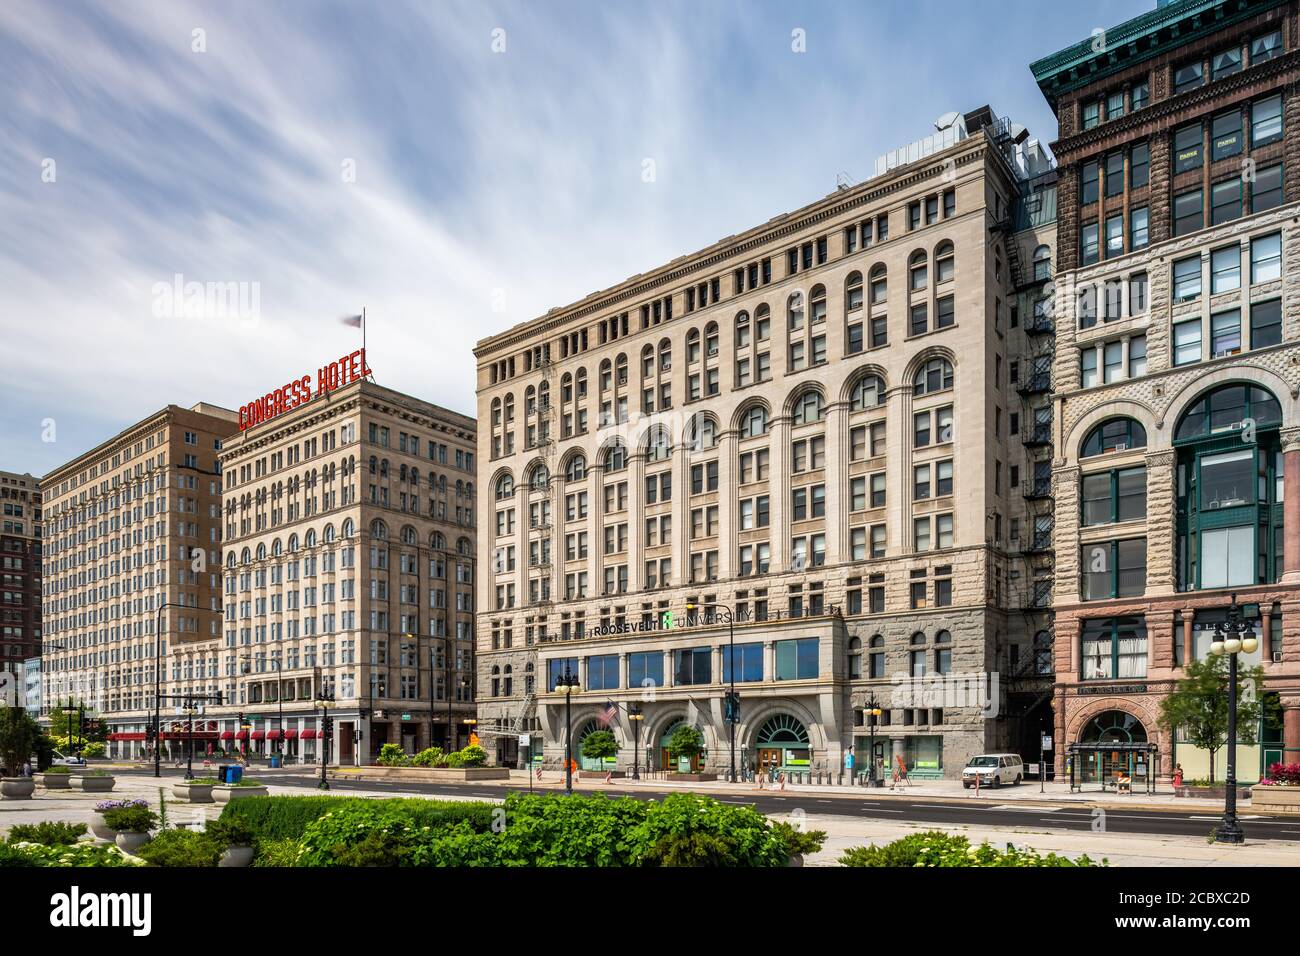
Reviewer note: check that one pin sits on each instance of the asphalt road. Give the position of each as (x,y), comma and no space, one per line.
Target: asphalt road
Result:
(986,812)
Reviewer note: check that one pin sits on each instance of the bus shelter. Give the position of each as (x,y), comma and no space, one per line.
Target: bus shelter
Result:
(1105,764)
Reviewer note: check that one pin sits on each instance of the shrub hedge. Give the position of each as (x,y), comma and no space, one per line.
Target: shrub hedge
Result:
(287,817)
(939,849)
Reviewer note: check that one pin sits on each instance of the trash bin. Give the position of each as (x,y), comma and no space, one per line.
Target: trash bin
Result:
(275,760)
(223,772)
(234,773)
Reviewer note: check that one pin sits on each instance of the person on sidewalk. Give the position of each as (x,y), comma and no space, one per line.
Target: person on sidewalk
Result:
(848,763)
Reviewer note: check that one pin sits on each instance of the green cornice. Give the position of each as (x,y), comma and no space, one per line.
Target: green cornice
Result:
(1153,33)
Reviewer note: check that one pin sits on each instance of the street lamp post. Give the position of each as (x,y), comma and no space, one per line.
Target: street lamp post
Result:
(279,698)
(324,698)
(157,681)
(873,711)
(732,709)
(568,684)
(189,713)
(1232,636)
(635,715)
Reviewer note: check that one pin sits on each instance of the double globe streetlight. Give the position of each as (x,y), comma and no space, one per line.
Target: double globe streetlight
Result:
(568,684)
(1232,636)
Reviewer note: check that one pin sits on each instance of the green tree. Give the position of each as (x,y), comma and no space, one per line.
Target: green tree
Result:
(599,744)
(1198,706)
(686,741)
(20,737)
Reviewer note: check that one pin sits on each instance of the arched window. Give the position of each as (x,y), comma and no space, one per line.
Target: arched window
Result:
(808,408)
(438,541)
(876,648)
(817,300)
(704,433)
(261,552)
(1114,434)
(1225,410)
(616,458)
(794,312)
(855,658)
(246,557)
(329,534)
(1042,264)
(505,487)
(934,376)
(944,262)
(309,539)
(879,284)
(377,530)
(576,469)
(408,535)
(659,446)
(538,478)
(293,542)
(853,292)
(349,529)
(711,339)
(867,393)
(918,271)
(753,422)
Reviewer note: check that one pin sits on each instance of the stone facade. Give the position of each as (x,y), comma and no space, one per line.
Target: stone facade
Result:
(674,352)
(20,573)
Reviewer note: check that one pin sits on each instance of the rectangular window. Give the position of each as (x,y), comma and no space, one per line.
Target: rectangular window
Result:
(1266,47)
(1114,569)
(1189,212)
(748,660)
(1188,148)
(919,320)
(1138,95)
(1139,165)
(1227,557)
(944,317)
(1187,342)
(1115,174)
(1225,135)
(1187,278)
(1226,63)
(693,665)
(646,669)
(943,478)
(1115,105)
(1137,356)
(1088,367)
(1113,648)
(1227,479)
(1139,232)
(1266,258)
(920,534)
(796,660)
(1265,323)
(1137,293)
(1112,361)
(1189,76)
(1089,243)
(1225,333)
(1225,201)
(1091,114)
(1266,190)
(1114,236)
(1088,182)
(602,672)
(1225,269)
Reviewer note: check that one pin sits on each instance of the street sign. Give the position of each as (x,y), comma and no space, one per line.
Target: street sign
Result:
(1047,742)
(8,689)
(524,740)
(406,717)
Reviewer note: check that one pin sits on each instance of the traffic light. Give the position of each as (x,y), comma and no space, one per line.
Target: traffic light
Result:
(241,718)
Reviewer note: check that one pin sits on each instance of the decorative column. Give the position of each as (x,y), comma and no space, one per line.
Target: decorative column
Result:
(1161,489)
(1291,729)
(1291,505)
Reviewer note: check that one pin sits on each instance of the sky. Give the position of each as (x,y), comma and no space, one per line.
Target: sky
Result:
(454,168)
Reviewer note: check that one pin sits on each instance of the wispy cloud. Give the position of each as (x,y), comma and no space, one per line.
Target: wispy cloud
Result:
(490,184)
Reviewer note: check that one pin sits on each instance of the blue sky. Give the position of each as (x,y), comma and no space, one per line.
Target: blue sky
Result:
(455,168)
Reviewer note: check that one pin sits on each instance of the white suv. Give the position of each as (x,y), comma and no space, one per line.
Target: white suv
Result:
(993,770)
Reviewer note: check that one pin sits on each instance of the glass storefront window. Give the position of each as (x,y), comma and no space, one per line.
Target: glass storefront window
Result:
(748,661)
(797,660)
(923,752)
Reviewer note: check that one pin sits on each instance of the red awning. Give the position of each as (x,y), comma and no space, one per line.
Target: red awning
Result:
(273,735)
(242,735)
(259,735)
(127,736)
(308,734)
(291,735)
(227,735)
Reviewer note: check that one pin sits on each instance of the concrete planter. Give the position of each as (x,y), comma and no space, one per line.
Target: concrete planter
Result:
(130,842)
(236,856)
(56,781)
(1275,799)
(599,774)
(1215,793)
(194,792)
(101,830)
(428,774)
(693,777)
(225,794)
(88,784)
(17,788)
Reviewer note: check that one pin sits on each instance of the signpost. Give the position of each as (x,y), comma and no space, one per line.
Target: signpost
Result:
(1044,745)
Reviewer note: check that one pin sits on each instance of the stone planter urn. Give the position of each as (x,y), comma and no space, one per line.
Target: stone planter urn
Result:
(89,784)
(130,842)
(224,794)
(17,788)
(194,792)
(236,856)
(56,781)
(101,830)
(796,859)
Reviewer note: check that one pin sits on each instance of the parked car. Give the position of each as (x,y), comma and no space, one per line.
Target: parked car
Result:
(993,770)
(62,760)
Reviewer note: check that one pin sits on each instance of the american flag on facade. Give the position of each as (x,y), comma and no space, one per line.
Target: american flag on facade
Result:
(607,712)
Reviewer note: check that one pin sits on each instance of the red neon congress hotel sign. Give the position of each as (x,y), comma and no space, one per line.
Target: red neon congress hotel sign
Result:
(345,371)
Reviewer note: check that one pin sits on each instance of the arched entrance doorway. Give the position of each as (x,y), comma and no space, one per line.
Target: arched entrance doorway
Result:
(585,762)
(1112,744)
(666,760)
(782,743)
